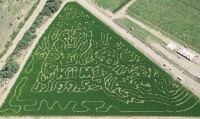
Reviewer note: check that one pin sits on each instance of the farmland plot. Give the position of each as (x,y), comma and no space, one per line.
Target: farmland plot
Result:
(81,67)
(174,17)
(192,3)
(112,5)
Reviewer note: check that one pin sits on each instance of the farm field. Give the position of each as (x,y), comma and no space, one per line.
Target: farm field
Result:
(181,22)
(192,3)
(111,5)
(81,67)
(137,31)
(12,14)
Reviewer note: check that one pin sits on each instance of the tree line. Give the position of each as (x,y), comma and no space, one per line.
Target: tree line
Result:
(50,7)
(11,67)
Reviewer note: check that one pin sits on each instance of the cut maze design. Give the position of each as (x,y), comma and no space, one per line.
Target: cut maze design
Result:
(82,67)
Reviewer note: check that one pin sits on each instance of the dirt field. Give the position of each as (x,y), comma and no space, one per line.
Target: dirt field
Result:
(13,12)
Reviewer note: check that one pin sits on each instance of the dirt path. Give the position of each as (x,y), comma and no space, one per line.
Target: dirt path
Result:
(188,82)
(26,26)
(39,33)
(193,67)
(12,14)
(123,10)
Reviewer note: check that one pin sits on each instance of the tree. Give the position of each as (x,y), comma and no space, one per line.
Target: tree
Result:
(10,68)
(21,25)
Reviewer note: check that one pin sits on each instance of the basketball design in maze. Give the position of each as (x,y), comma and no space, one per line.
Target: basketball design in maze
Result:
(80,62)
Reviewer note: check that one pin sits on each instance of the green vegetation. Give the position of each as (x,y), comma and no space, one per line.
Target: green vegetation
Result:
(31,10)
(21,25)
(15,32)
(81,67)
(10,68)
(137,31)
(178,19)
(192,3)
(50,7)
(112,5)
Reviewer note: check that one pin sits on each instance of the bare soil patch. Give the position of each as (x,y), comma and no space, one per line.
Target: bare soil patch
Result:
(12,14)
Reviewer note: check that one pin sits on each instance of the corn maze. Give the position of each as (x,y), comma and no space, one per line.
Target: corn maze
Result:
(81,67)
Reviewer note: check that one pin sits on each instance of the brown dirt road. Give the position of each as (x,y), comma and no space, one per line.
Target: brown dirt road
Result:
(26,26)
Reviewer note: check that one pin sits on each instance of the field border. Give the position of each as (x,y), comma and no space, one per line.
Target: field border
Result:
(165,33)
(162,55)
(120,7)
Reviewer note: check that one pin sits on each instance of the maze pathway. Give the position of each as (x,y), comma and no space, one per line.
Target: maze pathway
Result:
(81,67)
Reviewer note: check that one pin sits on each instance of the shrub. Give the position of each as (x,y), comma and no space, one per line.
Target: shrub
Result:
(10,68)
(21,25)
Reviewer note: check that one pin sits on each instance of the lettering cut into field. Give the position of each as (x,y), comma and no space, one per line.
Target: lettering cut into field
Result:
(81,67)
